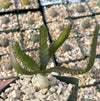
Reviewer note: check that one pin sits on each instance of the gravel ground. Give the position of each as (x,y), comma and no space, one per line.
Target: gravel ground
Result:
(60,9)
(81,31)
(33,4)
(23,20)
(94,6)
(11,7)
(73,9)
(12,24)
(84,94)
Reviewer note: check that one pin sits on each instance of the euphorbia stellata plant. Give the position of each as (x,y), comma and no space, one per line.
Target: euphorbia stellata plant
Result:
(45,53)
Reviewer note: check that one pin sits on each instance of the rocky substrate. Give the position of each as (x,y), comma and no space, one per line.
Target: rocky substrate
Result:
(74,9)
(55,29)
(10,23)
(15,36)
(94,7)
(11,7)
(36,17)
(33,4)
(60,12)
(24,90)
(84,31)
(97,18)
(16,4)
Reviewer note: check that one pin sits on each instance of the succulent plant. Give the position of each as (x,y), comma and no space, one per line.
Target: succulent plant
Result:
(66,47)
(30,21)
(53,13)
(4,42)
(98,3)
(80,9)
(5,4)
(45,53)
(35,37)
(86,24)
(5,20)
(25,2)
(8,65)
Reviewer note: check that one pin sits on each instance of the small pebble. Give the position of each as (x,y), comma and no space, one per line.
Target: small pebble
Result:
(8,66)
(4,42)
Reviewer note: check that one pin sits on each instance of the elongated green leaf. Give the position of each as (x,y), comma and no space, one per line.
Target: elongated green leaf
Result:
(93,49)
(15,64)
(43,48)
(27,61)
(63,36)
(91,58)
(63,70)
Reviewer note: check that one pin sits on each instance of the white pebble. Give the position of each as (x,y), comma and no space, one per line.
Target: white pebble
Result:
(28,96)
(1,100)
(51,98)
(16,94)
(34,100)
(59,90)
(52,89)
(69,87)
(43,91)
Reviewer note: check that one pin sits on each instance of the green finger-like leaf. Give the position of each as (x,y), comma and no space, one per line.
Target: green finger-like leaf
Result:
(93,49)
(15,64)
(63,70)
(27,61)
(91,58)
(63,36)
(43,47)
